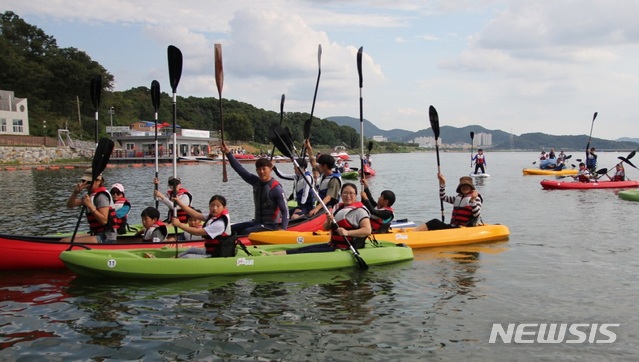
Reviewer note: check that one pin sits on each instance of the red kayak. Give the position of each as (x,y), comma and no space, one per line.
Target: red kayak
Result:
(368,171)
(42,252)
(576,185)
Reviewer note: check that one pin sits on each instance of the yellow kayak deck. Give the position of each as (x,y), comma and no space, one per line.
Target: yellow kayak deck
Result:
(414,239)
(539,171)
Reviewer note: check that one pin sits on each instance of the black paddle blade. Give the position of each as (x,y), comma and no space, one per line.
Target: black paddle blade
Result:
(175,66)
(568,157)
(631,155)
(155,95)
(281,138)
(96,89)
(434,121)
(360,262)
(594,116)
(359,66)
(281,108)
(101,157)
(472,135)
(307,128)
(370,146)
(602,171)
(625,159)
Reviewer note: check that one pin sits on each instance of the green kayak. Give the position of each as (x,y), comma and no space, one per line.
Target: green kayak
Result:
(630,195)
(161,263)
(350,175)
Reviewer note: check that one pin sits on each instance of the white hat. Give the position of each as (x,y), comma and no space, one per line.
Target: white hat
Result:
(119,187)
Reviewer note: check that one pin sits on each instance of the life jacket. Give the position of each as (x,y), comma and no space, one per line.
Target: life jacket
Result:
(120,223)
(181,214)
(462,212)
(212,244)
(266,210)
(339,241)
(591,161)
(584,176)
(148,233)
(619,176)
(322,187)
(480,159)
(300,186)
(379,225)
(95,226)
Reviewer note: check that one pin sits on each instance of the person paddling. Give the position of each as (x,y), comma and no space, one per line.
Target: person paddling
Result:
(583,175)
(466,205)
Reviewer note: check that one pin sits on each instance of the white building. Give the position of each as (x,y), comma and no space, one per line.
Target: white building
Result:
(14,114)
(483,140)
(380,139)
(427,142)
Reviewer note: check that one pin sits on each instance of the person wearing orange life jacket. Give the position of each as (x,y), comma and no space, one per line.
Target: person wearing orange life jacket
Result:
(121,206)
(349,221)
(182,193)
(99,209)
(217,225)
(382,213)
(155,231)
(268,196)
(466,205)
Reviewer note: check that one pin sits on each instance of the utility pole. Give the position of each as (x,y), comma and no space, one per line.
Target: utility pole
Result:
(111,112)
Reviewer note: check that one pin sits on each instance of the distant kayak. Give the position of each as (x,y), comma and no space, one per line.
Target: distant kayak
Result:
(630,195)
(576,185)
(538,171)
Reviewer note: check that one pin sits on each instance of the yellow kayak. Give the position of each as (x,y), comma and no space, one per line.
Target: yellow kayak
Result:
(539,171)
(414,239)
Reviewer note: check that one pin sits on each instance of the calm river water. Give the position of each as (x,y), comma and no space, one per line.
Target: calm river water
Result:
(571,258)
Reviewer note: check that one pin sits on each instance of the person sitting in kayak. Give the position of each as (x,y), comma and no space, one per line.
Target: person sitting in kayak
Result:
(268,196)
(347,168)
(480,161)
(301,189)
(583,175)
(99,209)
(348,221)
(560,164)
(328,184)
(466,205)
(217,227)
(193,222)
(183,194)
(620,173)
(382,213)
(155,231)
(122,207)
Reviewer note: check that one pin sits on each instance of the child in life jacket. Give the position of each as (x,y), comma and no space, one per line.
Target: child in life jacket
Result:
(382,213)
(155,230)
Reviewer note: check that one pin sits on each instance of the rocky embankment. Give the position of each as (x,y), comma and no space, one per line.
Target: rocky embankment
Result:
(41,155)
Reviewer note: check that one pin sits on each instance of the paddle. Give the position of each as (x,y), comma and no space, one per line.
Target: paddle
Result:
(284,142)
(590,135)
(100,160)
(281,118)
(472,138)
(627,158)
(175,72)
(155,99)
(95,90)
(307,124)
(219,81)
(361,109)
(434,124)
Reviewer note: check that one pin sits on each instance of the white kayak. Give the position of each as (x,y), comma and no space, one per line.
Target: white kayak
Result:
(479,175)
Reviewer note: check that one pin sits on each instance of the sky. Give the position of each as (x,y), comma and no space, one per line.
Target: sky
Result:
(516,66)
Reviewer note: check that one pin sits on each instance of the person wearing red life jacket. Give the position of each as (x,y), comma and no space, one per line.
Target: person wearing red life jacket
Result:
(620,173)
(382,213)
(122,207)
(155,230)
(480,161)
(583,175)
(181,192)
(349,221)
(466,205)
(217,226)
(99,209)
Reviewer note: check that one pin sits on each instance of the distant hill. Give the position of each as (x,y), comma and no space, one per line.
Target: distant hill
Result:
(501,139)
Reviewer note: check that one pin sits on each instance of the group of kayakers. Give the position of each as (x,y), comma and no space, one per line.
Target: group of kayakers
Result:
(350,221)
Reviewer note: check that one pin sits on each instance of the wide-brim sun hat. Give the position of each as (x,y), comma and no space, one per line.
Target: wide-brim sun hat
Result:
(465,180)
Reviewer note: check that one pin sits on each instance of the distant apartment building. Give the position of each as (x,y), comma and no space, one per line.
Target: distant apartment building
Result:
(426,142)
(483,140)
(14,114)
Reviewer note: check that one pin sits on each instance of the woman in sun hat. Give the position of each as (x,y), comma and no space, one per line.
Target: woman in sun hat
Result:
(466,205)
(99,209)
